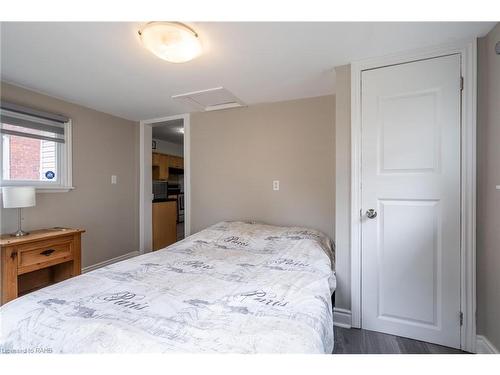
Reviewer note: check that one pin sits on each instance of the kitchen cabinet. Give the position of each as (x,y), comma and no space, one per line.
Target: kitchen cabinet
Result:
(164,167)
(175,162)
(162,162)
(156,159)
(164,224)
(160,165)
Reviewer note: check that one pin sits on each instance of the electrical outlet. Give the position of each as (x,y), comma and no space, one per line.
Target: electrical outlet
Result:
(276,185)
(114,179)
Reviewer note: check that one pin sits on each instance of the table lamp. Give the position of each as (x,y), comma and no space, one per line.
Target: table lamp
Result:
(18,197)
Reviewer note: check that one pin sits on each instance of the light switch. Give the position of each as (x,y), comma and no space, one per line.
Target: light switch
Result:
(276,185)
(114,179)
(497,187)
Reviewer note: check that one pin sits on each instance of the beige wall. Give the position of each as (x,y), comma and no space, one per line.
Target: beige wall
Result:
(102,145)
(488,198)
(236,154)
(343,185)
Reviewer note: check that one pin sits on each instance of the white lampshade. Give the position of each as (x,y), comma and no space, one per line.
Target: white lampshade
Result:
(171,41)
(18,196)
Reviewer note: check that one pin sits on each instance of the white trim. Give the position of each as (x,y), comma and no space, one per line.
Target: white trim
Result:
(355,196)
(48,189)
(187,175)
(484,346)
(467,50)
(5,156)
(67,161)
(342,318)
(55,189)
(468,196)
(142,179)
(145,188)
(145,183)
(110,261)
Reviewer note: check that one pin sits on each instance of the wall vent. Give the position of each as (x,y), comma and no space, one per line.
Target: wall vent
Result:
(210,99)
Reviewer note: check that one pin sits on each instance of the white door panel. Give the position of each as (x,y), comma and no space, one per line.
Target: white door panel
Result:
(411,177)
(409,271)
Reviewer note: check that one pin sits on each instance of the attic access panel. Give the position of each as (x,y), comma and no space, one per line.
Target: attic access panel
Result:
(211,99)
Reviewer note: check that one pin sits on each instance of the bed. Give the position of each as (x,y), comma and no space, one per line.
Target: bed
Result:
(234,287)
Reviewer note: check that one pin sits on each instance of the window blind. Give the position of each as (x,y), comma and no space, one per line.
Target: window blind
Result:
(31,123)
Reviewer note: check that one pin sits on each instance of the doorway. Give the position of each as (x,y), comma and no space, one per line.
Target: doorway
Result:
(164,184)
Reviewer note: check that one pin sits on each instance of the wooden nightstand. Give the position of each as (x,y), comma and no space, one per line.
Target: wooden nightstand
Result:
(38,259)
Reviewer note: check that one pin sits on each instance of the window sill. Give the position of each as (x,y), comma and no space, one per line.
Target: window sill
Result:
(48,189)
(59,189)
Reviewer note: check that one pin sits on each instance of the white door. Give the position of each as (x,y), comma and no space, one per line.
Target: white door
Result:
(411,179)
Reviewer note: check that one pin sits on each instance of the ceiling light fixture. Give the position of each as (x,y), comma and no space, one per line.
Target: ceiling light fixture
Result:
(171,41)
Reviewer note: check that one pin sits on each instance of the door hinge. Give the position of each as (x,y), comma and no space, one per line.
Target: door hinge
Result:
(461,83)
(461,318)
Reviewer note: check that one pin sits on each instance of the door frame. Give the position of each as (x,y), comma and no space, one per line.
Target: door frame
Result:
(145,182)
(467,49)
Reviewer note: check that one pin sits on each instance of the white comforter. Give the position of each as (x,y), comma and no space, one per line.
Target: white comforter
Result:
(234,287)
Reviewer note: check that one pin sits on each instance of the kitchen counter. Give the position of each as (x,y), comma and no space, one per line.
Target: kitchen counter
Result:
(164,223)
(160,200)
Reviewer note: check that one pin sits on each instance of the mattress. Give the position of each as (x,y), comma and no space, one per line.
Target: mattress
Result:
(234,287)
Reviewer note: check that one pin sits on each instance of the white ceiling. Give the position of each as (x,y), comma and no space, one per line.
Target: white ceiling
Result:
(104,66)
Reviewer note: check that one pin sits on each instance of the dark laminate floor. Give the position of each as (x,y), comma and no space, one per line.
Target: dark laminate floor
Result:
(180,231)
(360,341)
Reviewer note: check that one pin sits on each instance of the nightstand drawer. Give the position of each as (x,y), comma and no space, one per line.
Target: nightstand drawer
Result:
(44,254)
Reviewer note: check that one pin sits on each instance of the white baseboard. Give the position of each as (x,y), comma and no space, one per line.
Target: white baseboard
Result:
(110,261)
(342,318)
(484,346)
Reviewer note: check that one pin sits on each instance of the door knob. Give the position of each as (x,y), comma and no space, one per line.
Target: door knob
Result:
(371,213)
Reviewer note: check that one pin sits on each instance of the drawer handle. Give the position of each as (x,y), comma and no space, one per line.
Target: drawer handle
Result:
(47,252)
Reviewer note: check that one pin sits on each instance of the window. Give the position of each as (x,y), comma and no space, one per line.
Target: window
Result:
(35,148)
